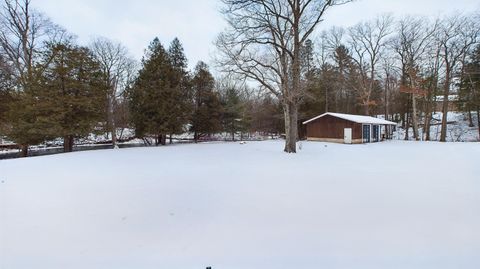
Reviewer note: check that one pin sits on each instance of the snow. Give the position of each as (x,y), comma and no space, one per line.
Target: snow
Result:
(451,98)
(394,204)
(354,118)
(458,129)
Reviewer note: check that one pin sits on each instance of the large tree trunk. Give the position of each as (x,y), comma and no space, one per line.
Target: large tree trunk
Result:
(414,117)
(24,151)
(387,88)
(111,126)
(426,125)
(114,135)
(443,133)
(386,105)
(428,116)
(68,143)
(291,128)
(446,93)
(407,126)
(291,94)
(163,139)
(470,118)
(403,119)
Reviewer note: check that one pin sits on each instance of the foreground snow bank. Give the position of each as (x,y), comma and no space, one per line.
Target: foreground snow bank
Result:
(226,205)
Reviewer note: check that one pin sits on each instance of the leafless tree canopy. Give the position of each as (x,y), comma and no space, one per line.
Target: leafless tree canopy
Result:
(264,42)
(23,34)
(457,35)
(368,41)
(119,71)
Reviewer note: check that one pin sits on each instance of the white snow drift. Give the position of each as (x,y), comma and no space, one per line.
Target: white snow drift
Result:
(231,206)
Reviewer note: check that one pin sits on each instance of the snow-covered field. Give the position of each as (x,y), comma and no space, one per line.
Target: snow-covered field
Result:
(230,206)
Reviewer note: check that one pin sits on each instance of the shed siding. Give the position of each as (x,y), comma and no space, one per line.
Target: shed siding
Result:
(332,127)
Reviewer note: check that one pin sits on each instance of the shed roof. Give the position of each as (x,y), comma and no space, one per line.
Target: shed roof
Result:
(355,118)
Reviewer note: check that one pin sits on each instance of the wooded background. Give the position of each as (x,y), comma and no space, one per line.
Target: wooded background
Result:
(273,71)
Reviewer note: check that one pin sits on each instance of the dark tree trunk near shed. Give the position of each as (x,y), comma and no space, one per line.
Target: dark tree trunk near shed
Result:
(446,93)
(163,140)
(428,119)
(291,129)
(24,151)
(407,125)
(68,143)
(470,118)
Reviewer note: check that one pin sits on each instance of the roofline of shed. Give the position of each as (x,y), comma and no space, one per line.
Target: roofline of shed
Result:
(336,116)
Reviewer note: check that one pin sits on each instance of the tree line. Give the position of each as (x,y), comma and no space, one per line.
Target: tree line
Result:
(51,87)
(399,68)
(274,75)
(166,99)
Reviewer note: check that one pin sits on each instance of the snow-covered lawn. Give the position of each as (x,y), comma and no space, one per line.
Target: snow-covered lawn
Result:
(231,206)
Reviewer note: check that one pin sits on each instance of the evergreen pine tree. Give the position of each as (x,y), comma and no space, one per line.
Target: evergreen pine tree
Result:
(6,87)
(233,112)
(76,93)
(207,107)
(159,97)
(180,105)
(145,98)
(30,115)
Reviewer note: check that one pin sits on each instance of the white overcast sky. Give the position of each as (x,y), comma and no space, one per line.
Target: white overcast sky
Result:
(196,23)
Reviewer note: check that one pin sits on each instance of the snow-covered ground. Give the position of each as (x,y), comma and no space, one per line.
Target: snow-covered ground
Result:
(230,206)
(458,129)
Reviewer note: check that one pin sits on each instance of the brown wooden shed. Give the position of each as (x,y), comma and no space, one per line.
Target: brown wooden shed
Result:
(348,129)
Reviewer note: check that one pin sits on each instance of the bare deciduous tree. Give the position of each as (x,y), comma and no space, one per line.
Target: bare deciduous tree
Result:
(412,43)
(118,69)
(389,83)
(433,65)
(23,34)
(456,36)
(264,42)
(368,41)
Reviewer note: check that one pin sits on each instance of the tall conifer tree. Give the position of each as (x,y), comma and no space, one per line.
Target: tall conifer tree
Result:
(179,105)
(74,91)
(159,97)
(207,106)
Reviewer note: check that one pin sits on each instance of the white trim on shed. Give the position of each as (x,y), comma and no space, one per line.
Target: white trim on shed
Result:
(354,118)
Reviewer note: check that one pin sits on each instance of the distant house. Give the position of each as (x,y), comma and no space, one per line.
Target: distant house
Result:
(348,129)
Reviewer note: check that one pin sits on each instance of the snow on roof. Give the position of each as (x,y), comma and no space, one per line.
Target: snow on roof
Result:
(354,118)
